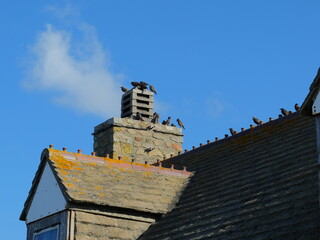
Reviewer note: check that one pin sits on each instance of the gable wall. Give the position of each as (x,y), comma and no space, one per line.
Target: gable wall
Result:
(48,198)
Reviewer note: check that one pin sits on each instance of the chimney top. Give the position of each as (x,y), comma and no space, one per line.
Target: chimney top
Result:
(137,101)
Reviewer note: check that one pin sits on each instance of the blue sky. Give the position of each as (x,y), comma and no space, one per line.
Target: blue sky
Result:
(215,64)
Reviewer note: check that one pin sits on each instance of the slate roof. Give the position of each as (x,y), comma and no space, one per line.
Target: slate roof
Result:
(108,182)
(259,184)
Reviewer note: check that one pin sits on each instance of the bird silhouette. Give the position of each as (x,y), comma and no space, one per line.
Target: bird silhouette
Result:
(172,125)
(284,112)
(297,107)
(152,89)
(180,123)
(168,121)
(143,85)
(257,121)
(233,132)
(135,84)
(123,89)
(139,117)
(155,118)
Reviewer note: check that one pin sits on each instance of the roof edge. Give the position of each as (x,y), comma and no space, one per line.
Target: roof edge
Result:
(168,161)
(120,163)
(306,108)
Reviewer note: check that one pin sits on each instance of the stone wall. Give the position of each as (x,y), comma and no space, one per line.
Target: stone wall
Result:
(139,140)
(94,226)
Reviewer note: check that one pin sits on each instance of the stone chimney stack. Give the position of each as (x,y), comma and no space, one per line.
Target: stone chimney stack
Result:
(140,140)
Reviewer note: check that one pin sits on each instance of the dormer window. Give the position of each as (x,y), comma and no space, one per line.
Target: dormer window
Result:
(50,233)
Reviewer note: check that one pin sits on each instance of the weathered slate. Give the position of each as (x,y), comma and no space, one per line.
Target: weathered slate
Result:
(260,184)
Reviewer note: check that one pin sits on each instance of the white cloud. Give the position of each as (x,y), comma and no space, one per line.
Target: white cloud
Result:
(78,70)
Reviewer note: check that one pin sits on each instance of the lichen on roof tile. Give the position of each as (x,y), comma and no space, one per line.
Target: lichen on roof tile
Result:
(117,183)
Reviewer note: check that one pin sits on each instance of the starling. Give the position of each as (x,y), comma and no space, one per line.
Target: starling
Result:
(152,89)
(124,89)
(139,117)
(143,85)
(172,125)
(168,121)
(155,118)
(233,132)
(135,84)
(257,121)
(284,112)
(180,123)
(297,107)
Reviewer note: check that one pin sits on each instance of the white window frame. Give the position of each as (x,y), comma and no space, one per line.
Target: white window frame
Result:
(47,230)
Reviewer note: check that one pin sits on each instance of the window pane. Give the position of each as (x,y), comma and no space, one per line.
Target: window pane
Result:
(49,235)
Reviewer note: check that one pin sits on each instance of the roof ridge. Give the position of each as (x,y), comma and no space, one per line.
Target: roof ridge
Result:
(202,146)
(79,156)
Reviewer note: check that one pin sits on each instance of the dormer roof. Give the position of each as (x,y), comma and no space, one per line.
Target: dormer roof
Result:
(85,179)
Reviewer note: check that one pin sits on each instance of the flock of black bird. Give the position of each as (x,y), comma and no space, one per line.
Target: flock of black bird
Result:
(140,85)
(155,119)
(259,122)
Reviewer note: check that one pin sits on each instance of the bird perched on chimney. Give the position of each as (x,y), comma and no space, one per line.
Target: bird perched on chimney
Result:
(152,89)
(257,121)
(139,117)
(284,112)
(123,89)
(135,84)
(167,122)
(155,118)
(233,132)
(143,85)
(297,107)
(180,123)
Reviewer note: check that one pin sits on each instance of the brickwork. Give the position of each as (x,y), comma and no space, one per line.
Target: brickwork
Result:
(139,140)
